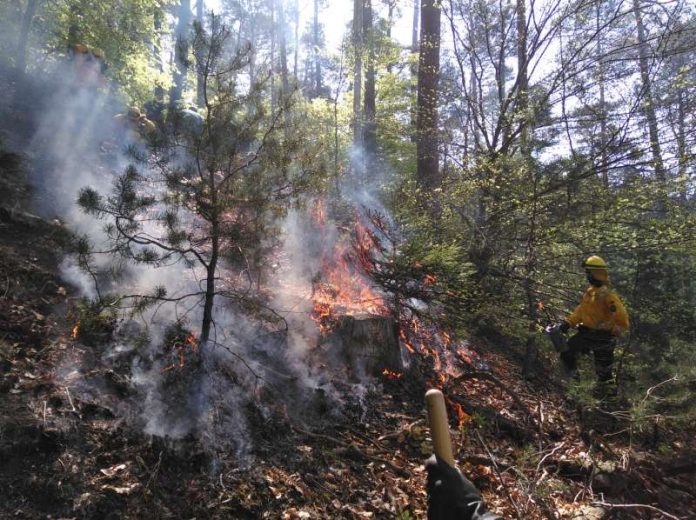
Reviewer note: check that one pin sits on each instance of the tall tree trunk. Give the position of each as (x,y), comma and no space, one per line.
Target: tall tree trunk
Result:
(531,347)
(282,41)
(297,40)
(180,52)
(414,66)
(414,31)
(428,173)
(24,30)
(210,283)
(682,156)
(649,102)
(357,73)
(390,23)
(370,131)
(200,82)
(274,95)
(317,79)
(522,78)
(252,53)
(603,137)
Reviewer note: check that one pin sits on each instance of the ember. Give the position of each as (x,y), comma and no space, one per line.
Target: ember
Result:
(390,374)
(75,330)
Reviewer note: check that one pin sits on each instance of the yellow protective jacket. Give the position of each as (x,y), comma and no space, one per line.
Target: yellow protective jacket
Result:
(600,309)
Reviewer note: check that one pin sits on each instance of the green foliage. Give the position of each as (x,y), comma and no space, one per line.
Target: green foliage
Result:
(124,30)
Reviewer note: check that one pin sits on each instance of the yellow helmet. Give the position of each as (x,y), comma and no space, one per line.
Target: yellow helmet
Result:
(595,262)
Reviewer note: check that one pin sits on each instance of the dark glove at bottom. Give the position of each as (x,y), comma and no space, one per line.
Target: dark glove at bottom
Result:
(451,496)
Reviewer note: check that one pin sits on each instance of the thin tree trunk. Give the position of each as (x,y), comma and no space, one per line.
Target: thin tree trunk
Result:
(283,49)
(531,354)
(297,39)
(390,22)
(210,283)
(522,77)
(252,54)
(316,87)
(274,95)
(414,67)
(414,31)
(603,138)
(21,57)
(649,102)
(428,173)
(200,83)
(370,135)
(181,52)
(682,152)
(357,73)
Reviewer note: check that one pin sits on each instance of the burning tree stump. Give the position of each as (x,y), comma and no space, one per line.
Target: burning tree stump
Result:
(366,345)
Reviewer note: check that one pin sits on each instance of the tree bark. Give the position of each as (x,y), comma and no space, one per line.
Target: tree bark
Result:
(21,57)
(428,174)
(297,39)
(370,131)
(414,66)
(603,139)
(649,102)
(210,283)
(274,96)
(316,84)
(522,77)
(282,42)
(200,82)
(390,22)
(180,53)
(357,73)
(211,267)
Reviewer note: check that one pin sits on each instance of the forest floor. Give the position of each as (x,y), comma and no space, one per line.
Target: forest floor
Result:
(534,452)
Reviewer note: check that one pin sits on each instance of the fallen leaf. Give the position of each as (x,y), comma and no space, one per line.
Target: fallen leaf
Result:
(111,471)
(121,490)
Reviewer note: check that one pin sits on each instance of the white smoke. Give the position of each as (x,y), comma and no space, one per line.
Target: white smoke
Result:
(77,145)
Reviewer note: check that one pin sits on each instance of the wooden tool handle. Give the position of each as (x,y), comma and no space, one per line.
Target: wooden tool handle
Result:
(439,427)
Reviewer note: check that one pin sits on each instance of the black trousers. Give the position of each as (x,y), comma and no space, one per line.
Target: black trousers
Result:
(600,343)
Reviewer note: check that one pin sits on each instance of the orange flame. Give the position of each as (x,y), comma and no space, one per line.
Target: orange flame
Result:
(189,346)
(343,289)
(459,413)
(390,374)
(75,330)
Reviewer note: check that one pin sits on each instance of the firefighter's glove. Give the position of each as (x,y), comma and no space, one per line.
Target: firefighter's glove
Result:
(451,496)
(563,326)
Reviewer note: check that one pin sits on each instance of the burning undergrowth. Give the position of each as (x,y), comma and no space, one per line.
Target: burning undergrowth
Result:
(382,322)
(335,316)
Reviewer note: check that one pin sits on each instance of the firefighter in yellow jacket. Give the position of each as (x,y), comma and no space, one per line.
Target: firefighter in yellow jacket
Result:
(600,319)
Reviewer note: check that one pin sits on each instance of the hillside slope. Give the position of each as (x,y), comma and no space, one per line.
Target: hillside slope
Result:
(69,452)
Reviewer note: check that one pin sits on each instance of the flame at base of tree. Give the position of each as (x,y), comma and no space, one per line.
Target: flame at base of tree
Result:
(343,286)
(183,349)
